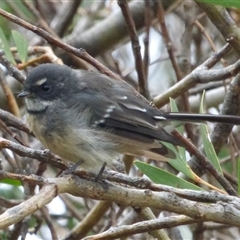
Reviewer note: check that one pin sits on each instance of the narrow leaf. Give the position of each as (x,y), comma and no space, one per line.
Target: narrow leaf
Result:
(208,147)
(12,182)
(179,163)
(174,108)
(224,3)
(21,44)
(160,176)
(6,47)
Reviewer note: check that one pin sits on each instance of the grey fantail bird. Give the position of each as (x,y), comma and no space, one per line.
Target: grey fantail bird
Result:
(83,115)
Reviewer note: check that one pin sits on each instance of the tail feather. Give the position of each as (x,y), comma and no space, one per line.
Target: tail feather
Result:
(192,117)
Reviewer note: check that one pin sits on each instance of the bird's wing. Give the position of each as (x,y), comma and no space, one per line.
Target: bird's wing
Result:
(120,110)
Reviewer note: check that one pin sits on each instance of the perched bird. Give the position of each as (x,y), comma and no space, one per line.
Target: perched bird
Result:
(83,115)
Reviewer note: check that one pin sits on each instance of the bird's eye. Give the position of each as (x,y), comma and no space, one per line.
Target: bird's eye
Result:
(45,87)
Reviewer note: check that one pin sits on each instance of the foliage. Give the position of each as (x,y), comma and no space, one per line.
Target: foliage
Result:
(179,61)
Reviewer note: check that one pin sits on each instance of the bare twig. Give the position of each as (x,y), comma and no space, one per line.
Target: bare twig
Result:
(11,161)
(96,213)
(64,16)
(200,75)
(148,18)
(70,207)
(144,226)
(135,47)
(47,55)
(26,208)
(44,156)
(13,135)
(48,220)
(225,24)
(81,53)
(13,121)
(167,40)
(11,69)
(41,21)
(9,95)
(231,107)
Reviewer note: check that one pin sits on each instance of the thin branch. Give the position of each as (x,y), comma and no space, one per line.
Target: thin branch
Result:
(92,218)
(200,75)
(71,208)
(230,106)
(81,53)
(26,208)
(13,135)
(13,121)
(141,227)
(64,16)
(135,47)
(148,19)
(9,95)
(218,55)
(48,220)
(44,156)
(41,21)
(224,23)
(167,40)
(13,71)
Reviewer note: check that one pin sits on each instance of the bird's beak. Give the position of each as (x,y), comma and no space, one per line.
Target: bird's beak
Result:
(25,94)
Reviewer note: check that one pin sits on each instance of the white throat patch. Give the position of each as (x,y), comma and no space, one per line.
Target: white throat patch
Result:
(37,105)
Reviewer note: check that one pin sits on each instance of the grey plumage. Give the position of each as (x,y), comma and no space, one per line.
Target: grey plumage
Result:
(88,116)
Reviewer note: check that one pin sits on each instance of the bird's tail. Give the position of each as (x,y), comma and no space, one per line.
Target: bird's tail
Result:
(193,117)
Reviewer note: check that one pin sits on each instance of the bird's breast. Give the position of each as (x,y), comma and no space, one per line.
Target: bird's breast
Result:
(37,124)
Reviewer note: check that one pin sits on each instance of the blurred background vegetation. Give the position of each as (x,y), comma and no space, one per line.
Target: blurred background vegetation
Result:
(99,28)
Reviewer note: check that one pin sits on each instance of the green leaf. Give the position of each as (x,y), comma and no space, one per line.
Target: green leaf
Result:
(179,163)
(224,3)
(173,105)
(160,176)
(6,47)
(208,147)
(12,182)
(21,44)
(4,23)
(174,108)
(23,10)
(180,128)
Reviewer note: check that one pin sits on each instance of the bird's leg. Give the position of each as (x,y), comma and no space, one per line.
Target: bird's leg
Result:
(99,175)
(71,169)
(99,179)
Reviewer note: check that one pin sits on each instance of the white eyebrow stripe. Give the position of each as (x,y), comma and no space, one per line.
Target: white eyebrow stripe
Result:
(40,82)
